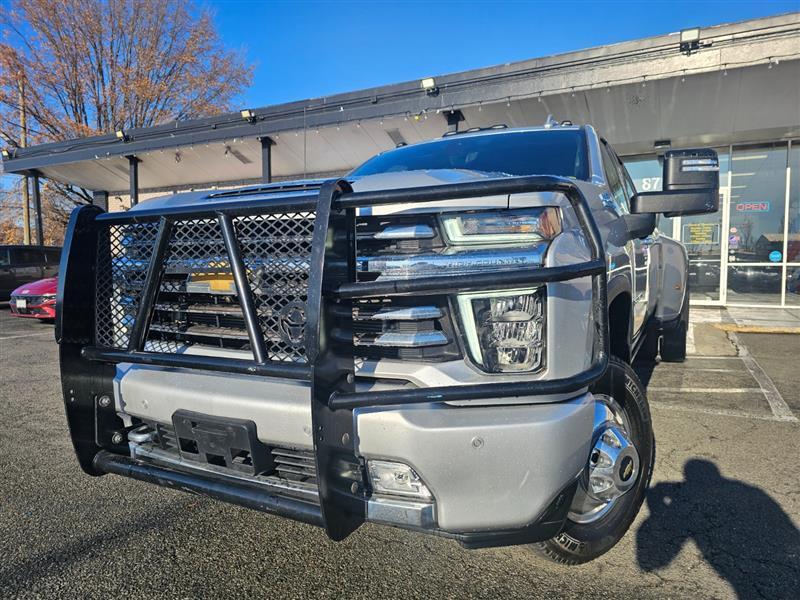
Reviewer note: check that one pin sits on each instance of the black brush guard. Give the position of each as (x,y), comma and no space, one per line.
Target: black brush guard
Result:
(88,371)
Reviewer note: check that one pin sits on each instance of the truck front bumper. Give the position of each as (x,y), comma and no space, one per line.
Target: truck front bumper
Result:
(495,473)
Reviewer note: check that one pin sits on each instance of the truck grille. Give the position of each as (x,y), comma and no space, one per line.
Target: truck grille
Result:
(196,302)
(197,305)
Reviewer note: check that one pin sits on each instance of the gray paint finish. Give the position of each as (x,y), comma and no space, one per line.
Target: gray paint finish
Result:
(488,468)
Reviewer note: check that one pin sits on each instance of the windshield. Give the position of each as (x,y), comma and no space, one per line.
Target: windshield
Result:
(559,152)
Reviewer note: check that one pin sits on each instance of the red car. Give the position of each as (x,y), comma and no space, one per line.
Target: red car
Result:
(35,300)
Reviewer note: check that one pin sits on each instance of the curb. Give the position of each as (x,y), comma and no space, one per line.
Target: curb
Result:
(756,328)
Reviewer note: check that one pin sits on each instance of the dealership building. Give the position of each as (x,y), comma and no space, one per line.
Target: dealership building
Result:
(734,87)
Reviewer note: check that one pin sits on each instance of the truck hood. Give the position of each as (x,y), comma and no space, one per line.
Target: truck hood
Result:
(409,179)
(424,178)
(283,189)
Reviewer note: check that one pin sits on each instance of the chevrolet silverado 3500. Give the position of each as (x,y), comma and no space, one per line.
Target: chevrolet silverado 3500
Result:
(439,341)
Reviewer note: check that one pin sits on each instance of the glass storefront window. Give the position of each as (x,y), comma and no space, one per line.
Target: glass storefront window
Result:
(751,284)
(793,245)
(758,198)
(758,270)
(793,285)
(701,234)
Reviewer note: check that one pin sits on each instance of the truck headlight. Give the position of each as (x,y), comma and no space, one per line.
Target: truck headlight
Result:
(505,330)
(502,226)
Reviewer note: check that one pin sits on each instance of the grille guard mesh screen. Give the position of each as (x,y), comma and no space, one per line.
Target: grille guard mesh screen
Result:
(123,257)
(275,249)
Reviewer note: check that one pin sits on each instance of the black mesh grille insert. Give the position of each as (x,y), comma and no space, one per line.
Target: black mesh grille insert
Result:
(276,251)
(197,303)
(123,255)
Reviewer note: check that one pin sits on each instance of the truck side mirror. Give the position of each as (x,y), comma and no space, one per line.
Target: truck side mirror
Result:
(691,185)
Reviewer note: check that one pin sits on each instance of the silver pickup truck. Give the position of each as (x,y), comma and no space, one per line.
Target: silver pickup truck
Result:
(439,341)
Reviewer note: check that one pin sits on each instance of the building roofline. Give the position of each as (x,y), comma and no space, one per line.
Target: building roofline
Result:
(398,98)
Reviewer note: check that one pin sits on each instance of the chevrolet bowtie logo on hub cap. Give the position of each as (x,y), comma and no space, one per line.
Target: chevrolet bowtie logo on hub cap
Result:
(292,322)
(626,468)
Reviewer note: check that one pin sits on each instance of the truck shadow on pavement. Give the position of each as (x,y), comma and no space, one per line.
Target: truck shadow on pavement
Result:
(739,529)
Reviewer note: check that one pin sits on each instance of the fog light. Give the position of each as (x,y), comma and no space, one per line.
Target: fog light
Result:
(396,478)
(505,332)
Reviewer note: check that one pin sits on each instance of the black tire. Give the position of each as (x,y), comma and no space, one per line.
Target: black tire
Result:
(673,342)
(579,543)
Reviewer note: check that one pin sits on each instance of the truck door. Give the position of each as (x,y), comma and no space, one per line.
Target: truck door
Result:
(646,257)
(638,250)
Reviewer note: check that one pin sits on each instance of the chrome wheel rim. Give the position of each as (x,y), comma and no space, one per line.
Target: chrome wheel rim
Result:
(613,465)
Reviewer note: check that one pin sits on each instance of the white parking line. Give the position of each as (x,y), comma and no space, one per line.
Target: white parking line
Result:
(777,404)
(695,390)
(14,337)
(714,411)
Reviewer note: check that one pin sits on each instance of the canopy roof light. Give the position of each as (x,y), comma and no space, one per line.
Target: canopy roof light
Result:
(428,83)
(690,39)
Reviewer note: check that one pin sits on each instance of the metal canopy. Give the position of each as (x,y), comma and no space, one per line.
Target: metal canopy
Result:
(634,93)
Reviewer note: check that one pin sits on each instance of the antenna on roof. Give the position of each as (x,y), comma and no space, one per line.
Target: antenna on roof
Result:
(550,122)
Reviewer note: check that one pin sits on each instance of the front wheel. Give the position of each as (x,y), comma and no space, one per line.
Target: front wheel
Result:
(619,467)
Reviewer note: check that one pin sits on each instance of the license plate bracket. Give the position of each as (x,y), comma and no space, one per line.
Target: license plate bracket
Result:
(221,442)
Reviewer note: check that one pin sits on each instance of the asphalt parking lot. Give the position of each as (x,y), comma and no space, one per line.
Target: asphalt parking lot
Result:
(721,518)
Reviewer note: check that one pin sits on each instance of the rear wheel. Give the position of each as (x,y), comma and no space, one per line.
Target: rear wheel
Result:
(619,467)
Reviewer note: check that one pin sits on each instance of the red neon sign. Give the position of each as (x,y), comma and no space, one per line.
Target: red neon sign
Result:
(752,206)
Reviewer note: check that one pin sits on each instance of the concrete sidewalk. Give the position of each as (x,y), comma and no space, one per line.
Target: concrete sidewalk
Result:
(748,320)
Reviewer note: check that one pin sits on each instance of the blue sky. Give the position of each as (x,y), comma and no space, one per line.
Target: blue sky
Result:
(304,49)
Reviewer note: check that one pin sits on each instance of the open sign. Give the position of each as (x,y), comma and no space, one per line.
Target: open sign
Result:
(752,206)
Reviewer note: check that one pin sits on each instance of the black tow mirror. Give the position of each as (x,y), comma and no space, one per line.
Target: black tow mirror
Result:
(691,185)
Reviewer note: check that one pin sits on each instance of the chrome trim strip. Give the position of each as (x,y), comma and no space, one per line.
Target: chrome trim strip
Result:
(404,232)
(458,261)
(404,513)
(411,313)
(418,339)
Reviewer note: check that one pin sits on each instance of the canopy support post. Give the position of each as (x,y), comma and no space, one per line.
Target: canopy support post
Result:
(133,177)
(266,158)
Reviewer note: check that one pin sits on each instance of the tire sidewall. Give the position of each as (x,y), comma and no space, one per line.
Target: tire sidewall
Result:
(579,543)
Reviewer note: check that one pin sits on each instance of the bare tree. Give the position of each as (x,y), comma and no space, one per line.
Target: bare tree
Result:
(97,66)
